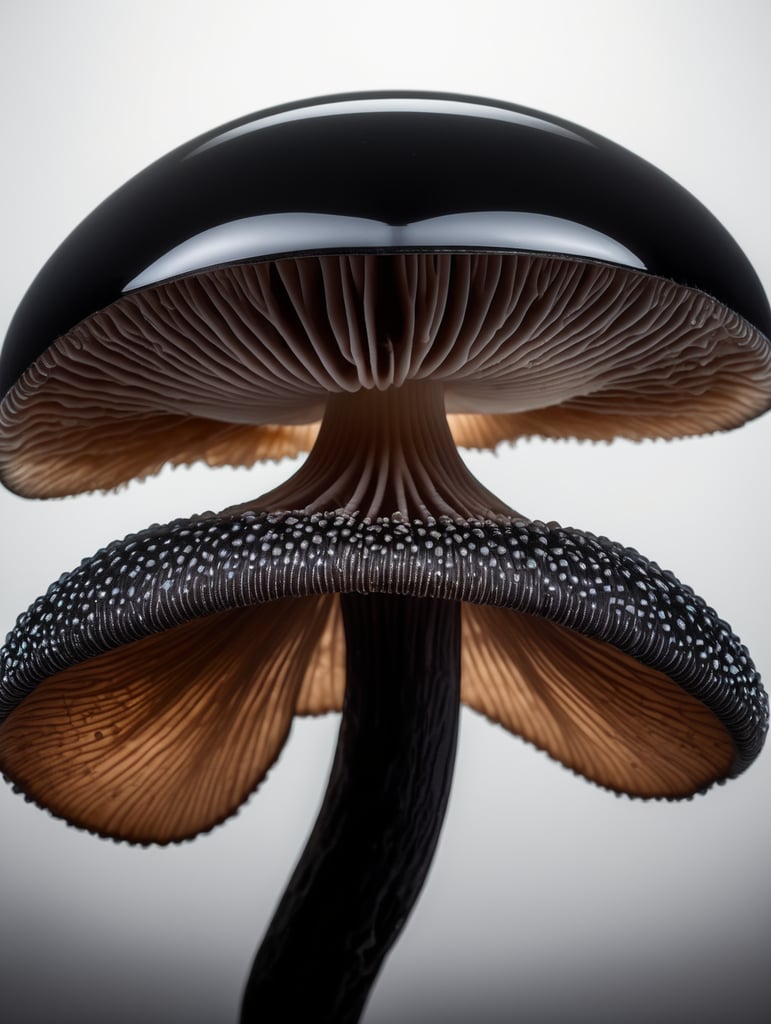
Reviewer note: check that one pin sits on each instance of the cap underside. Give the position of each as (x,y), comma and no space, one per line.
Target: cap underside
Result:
(235,364)
(151,690)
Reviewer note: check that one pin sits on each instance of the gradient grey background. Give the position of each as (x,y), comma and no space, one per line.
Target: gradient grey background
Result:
(549,900)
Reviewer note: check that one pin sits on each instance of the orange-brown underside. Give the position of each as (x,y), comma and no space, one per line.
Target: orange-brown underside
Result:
(169,735)
(235,365)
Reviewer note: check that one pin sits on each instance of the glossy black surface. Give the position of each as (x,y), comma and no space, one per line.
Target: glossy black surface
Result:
(373,842)
(381,171)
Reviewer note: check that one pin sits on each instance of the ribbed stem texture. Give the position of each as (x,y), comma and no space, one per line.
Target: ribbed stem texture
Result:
(384,453)
(369,853)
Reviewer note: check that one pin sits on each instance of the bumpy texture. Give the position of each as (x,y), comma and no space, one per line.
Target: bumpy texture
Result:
(186,587)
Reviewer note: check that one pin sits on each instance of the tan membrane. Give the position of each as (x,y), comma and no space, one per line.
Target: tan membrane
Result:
(167,736)
(597,710)
(590,706)
(236,364)
(164,737)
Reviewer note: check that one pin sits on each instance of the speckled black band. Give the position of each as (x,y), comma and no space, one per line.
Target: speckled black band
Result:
(168,575)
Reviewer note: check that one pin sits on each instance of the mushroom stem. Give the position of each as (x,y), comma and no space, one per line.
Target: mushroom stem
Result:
(385,452)
(369,853)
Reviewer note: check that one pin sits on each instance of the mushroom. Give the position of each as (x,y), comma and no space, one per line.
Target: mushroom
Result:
(415,271)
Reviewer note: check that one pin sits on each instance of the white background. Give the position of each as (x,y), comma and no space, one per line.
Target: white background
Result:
(549,900)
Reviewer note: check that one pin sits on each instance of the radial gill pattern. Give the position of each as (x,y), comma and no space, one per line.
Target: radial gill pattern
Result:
(155,683)
(236,364)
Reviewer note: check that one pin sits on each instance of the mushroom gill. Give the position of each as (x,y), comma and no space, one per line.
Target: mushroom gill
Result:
(235,364)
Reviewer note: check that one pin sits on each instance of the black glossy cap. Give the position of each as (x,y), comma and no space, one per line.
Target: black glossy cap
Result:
(396,171)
